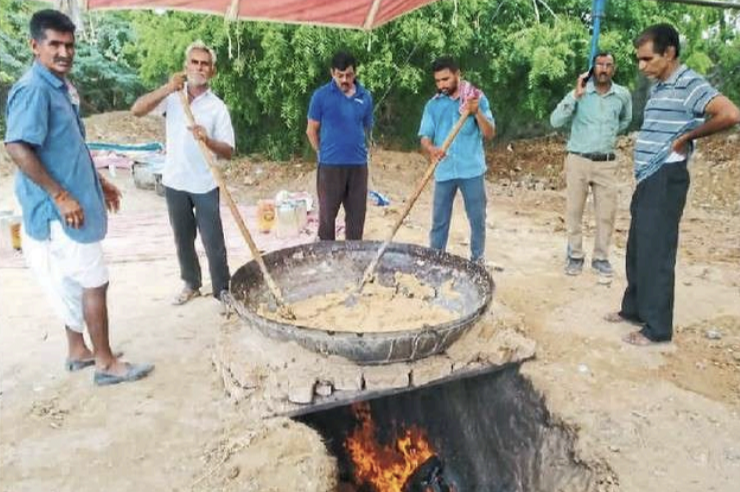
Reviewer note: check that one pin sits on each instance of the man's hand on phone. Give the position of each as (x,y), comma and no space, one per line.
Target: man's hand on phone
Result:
(580,89)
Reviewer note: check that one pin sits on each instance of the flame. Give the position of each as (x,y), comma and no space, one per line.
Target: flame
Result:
(386,468)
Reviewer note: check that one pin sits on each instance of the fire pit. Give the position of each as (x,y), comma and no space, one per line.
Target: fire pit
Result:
(322,268)
(485,432)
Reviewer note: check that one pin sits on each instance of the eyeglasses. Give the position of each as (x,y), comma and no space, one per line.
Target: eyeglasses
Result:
(604,65)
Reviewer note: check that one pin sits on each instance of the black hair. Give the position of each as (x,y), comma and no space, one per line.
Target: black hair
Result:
(49,19)
(445,62)
(663,36)
(600,54)
(342,60)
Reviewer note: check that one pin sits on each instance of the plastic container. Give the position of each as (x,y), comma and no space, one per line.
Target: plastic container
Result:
(15,233)
(10,230)
(265,215)
(287,220)
(301,210)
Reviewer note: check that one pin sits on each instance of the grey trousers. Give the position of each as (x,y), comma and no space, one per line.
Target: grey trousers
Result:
(191,213)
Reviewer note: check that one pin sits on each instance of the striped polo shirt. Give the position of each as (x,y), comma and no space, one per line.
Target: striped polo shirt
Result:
(675,107)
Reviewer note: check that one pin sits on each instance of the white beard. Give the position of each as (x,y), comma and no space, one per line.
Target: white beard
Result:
(197,80)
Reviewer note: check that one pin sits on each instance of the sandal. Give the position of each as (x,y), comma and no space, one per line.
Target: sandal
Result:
(187,294)
(134,372)
(638,339)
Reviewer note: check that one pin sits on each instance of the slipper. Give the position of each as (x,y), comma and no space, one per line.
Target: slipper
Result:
(186,295)
(616,317)
(638,339)
(134,372)
(73,365)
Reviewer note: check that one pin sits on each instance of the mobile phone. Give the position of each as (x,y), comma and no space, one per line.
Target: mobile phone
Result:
(588,77)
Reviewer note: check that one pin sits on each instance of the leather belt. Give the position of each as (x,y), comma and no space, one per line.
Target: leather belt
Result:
(596,157)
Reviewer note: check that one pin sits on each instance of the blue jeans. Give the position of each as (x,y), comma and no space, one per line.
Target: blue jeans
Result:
(474,196)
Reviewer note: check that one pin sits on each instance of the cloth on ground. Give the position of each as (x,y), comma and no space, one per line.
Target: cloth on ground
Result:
(147,236)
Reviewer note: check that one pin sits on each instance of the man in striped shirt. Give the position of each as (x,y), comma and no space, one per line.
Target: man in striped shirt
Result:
(682,107)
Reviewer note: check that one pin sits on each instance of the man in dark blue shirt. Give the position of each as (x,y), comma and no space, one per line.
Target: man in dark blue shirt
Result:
(63,198)
(339,115)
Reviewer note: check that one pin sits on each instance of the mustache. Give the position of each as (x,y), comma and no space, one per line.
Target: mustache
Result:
(63,59)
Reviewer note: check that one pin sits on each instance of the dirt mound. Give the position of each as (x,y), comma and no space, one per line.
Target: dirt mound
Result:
(715,173)
(122,127)
(537,164)
(281,455)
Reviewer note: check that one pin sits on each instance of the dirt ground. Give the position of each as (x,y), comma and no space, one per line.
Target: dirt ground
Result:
(664,419)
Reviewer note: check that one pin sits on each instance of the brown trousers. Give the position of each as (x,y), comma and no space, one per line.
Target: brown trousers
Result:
(342,186)
(580,175)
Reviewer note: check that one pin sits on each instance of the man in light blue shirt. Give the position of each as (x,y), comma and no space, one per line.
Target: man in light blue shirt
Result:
(596,112)
(63,199)
(463,166)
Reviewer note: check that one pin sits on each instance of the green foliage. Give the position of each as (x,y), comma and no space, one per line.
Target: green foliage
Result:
(14,52)
(524,59)
(104,73)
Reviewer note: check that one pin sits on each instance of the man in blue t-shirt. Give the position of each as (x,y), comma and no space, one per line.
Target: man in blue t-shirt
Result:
(63,199)
(340,114)
(463,166)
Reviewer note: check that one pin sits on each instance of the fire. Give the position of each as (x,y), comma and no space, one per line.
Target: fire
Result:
(386,468)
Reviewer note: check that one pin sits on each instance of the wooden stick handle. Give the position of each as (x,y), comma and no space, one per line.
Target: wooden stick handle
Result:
(370,271)
(235,211)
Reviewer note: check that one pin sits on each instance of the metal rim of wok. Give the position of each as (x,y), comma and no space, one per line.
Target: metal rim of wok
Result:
(366,347)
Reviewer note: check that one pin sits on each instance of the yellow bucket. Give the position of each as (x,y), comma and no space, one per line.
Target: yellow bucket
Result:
(15,234)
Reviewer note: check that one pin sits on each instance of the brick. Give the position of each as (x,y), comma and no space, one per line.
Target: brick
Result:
(386,377)
(346,378)
(324,388)
(431,369)
(300,390)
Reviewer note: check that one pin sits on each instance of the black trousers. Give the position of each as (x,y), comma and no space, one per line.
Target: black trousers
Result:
(342,186)
(656,208)
(191,213)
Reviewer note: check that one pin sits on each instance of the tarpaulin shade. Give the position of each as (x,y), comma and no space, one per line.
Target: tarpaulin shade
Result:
(358,14)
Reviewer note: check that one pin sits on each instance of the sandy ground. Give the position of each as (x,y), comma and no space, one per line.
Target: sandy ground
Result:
(663,418)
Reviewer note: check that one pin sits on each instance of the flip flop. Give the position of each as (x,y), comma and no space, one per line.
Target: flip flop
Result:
(638,339)
(73,365)
(186,295)
(134,372)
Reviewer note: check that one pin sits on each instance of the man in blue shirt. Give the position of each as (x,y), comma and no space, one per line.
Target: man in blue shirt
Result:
(339,115)
(63,198)
(463,166)
(675,116)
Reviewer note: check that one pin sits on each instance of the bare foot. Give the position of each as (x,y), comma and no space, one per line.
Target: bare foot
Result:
(116,367)
(82,353)
(638,339)
(616,317)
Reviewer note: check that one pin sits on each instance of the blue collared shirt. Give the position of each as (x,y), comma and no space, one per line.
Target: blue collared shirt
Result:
(343,121)
(42,113)
(465,158)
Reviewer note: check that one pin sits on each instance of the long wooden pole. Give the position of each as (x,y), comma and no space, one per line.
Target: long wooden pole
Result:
(283,308)
(370,271)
